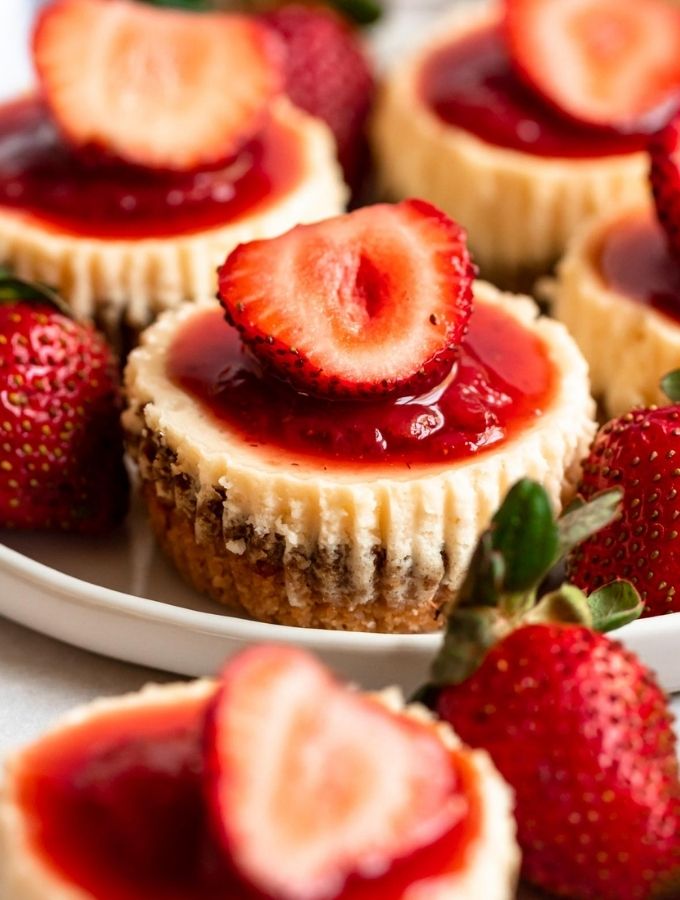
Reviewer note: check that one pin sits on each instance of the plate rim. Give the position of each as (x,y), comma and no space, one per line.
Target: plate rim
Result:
(89,593)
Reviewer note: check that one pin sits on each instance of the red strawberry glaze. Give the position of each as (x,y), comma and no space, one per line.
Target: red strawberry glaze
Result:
(102,198)
(116,807)
(634,259)
(470,83)
(503,381)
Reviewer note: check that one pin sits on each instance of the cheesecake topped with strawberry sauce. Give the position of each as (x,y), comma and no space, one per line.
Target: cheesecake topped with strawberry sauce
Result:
(125,192)
(619,284)
(232,789)
(328,455)
(496,120)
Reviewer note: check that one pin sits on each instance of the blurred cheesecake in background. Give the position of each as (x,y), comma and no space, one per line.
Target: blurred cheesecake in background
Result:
(125,194)
(479,121)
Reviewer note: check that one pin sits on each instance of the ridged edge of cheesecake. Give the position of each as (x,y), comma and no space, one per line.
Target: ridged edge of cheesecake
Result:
(627,345)
(519,209)
(130,281)
(312,545)
(24,876)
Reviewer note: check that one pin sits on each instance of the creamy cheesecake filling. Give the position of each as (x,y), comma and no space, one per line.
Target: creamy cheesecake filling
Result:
(110,806)
(129,280)
(618,292)
(311,543)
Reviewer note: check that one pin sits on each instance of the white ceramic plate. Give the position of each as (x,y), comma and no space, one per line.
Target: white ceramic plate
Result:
(119,597)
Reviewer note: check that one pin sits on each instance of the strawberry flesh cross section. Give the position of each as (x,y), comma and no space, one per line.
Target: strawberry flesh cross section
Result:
(370,303)
(159,88)
(609,63)
(311,784)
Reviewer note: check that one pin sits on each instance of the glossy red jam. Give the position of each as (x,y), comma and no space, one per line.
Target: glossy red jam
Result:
(116,807)
(634,260)
(470,83)
(99,197)
(503,381)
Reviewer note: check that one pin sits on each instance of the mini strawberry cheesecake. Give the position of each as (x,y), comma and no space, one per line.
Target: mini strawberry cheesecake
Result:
(618,286)
(329,458)
(496,120)
(158,141)
(235,789)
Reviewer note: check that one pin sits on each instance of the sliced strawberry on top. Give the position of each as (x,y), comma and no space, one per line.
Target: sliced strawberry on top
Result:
(156,87)
(311,783)
(613,63)
(367,303)
(664,152)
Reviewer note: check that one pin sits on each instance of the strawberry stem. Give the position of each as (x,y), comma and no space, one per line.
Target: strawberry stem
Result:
(512,558)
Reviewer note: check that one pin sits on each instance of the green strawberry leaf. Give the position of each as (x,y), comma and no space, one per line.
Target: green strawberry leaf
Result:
(16,290)
(484,579)
(470,634)
(581,520)
(614,605)
(567,605)
(525,534)
(670,385)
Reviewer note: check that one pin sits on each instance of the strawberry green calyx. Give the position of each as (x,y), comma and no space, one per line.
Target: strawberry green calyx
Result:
(16,290)
(670,385)
(501,590)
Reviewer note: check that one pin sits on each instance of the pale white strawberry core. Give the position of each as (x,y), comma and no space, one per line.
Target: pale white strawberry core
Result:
(319,783)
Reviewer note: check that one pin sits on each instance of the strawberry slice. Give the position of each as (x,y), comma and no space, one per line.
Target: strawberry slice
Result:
(664,151)
(613,63)
(368,303)
(310,783)
(159,88)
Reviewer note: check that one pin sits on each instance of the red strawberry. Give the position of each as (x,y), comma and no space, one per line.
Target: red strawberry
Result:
(602,62)
(368,303)
(160,88)
(311,784)
(329,76)
(638,452)
(582,732)
(575,723)
(664,151)
(61,465)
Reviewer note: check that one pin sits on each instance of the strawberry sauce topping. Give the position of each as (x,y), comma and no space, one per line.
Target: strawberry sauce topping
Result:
(117,807)
(634,259)
(42,177)
(502,382)
(471,84)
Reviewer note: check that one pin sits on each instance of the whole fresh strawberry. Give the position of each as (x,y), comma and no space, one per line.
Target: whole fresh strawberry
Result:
(573,721)
(61,454)
(641,453)
(329,76)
